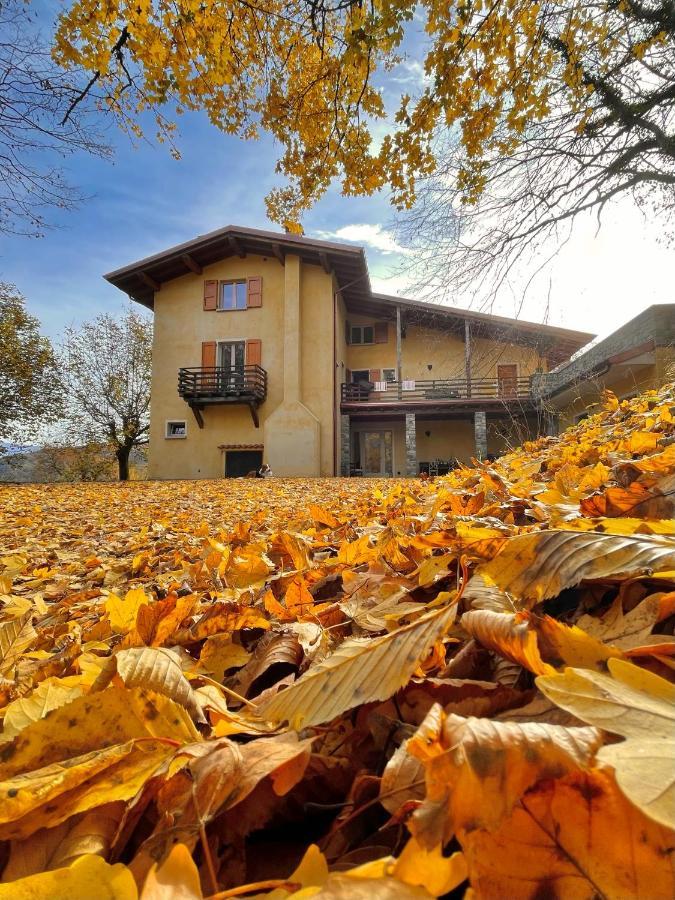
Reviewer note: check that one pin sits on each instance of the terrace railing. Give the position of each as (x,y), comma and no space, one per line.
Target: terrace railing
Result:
(441,390)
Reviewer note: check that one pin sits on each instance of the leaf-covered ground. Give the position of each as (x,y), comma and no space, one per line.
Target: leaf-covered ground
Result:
(347,688)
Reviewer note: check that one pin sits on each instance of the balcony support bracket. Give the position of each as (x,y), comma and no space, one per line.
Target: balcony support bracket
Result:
(254,414)
(197,410)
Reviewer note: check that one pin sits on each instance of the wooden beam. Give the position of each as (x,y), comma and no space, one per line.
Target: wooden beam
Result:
(467,355)
(192,263)
(150,281)
(276,250)
(398,351)
(198,415)
(236,246)
(323,257)
(254,414)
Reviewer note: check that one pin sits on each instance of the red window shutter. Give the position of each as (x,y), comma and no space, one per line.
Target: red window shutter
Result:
(209,354)
(348,376)
(210,295)
(254,293)
(380,333)
(254,353)
(374,375)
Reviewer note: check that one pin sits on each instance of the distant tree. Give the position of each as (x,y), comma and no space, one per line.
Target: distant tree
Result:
(36,129)
(61,461)
(107,365)
(30,385)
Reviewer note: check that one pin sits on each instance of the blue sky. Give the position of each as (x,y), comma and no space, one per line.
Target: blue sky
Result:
(146,201)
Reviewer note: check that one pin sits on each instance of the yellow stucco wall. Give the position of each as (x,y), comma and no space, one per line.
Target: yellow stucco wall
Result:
(447,439)
(443,350)
(180,327)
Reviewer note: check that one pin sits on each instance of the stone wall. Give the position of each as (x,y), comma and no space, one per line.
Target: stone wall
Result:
(655,324)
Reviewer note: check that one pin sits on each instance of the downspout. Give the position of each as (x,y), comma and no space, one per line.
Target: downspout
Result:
(335,423)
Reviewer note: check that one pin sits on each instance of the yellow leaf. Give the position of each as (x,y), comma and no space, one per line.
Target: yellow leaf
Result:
(114,716)
(533,567)
(358,672)
(478,769)
(16,635)
(430,869)
(122,612)
(155,668)
(574,837)
(89,878)
(220,653)
(638,705)
(53,848)
(45,797)
(176,879)
(541,644)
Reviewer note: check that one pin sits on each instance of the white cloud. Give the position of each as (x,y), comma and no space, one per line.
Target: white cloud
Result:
(373,236)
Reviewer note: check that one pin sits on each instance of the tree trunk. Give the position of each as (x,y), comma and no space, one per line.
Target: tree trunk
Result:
(123,462)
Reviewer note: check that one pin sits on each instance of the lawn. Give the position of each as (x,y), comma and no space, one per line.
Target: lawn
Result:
(377,689)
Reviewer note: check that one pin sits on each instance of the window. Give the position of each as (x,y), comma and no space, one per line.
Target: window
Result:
(176,429)
(231,354)
(362,334)
(360,375)
(389,375)
(232,295)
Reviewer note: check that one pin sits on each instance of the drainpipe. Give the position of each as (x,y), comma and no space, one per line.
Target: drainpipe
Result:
(335,398)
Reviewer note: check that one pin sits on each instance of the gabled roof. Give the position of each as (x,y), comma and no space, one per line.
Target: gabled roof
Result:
(140,280)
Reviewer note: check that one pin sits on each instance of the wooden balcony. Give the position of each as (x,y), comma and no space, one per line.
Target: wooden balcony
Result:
(478,393)
(201,387)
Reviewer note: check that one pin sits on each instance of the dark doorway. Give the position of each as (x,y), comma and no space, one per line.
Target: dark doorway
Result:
(241,462)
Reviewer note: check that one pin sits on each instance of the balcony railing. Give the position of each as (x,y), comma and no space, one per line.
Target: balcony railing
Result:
(222,385)
(439,390)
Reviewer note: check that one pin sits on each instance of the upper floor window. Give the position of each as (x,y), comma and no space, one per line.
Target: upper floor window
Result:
(232,295)
(389,375)
(362,334)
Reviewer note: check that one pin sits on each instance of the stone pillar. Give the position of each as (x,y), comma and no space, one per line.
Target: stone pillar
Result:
(467,356)
(480,431)
(410,445)
(345,447)
(552,424)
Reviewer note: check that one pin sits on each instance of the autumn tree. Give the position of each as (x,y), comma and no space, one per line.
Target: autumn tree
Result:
(30,390)
(553,107)
(36,129)
(107,364)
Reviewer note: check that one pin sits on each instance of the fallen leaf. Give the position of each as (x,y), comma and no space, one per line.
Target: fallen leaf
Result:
(640,707)
(89,876)
(358,672)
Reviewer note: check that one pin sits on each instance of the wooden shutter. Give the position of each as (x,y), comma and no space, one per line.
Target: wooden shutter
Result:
(348,376)
(348,333)
(211,295)
(208,354)
(254,353)
(380,333)
(254,292)
(374,375)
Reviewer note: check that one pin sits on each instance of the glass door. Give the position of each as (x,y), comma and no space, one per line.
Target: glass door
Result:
(377,453)
(231,360)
